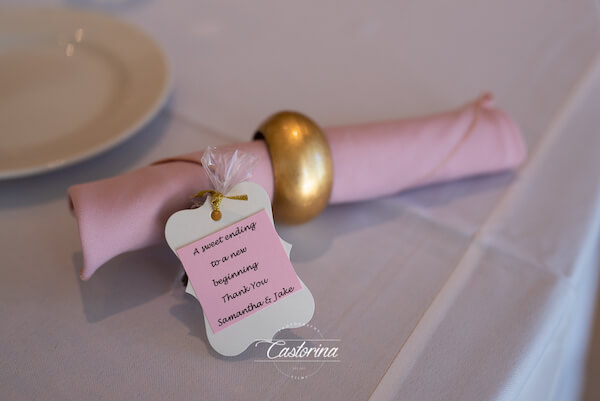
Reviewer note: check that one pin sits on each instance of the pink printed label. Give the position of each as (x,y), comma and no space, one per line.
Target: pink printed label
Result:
(239,270)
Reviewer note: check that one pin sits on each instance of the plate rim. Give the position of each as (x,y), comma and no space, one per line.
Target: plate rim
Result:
(112,142)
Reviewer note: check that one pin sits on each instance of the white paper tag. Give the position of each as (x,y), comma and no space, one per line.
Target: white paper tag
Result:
(249,295)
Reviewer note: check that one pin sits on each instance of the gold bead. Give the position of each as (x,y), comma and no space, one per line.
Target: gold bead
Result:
(302,166)
(216,215)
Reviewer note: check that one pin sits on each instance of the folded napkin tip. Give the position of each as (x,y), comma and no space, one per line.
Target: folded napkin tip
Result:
(516,146)
(519,146)
(486,99)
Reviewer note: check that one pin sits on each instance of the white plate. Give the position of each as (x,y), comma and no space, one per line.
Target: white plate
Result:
(72,84)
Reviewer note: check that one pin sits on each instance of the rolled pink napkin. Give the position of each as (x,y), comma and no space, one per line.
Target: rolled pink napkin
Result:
(128,212)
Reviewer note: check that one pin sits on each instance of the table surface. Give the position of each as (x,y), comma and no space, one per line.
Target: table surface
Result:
(454,291)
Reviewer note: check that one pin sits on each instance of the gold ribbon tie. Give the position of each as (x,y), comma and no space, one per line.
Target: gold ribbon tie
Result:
(216,199)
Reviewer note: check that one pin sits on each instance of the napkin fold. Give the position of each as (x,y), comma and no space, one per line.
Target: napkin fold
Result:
(128,212)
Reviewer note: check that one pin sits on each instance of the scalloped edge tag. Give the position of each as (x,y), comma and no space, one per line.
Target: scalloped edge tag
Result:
(295,310)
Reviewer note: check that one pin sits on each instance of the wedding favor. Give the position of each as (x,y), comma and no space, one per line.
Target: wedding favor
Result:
(237,266)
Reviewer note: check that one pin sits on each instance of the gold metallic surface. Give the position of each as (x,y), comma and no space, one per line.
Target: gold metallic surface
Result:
(216,199)
(302,166)
(216,215)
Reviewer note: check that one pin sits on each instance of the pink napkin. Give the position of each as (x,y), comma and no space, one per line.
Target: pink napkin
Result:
(128,212)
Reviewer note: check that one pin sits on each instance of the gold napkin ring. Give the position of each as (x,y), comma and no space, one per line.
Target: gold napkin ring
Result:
(302,166)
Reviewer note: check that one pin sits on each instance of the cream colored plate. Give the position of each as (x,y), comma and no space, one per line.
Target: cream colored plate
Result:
(72,84)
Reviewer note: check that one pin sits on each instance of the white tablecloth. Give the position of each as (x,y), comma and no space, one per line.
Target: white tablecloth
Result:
(475,290)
